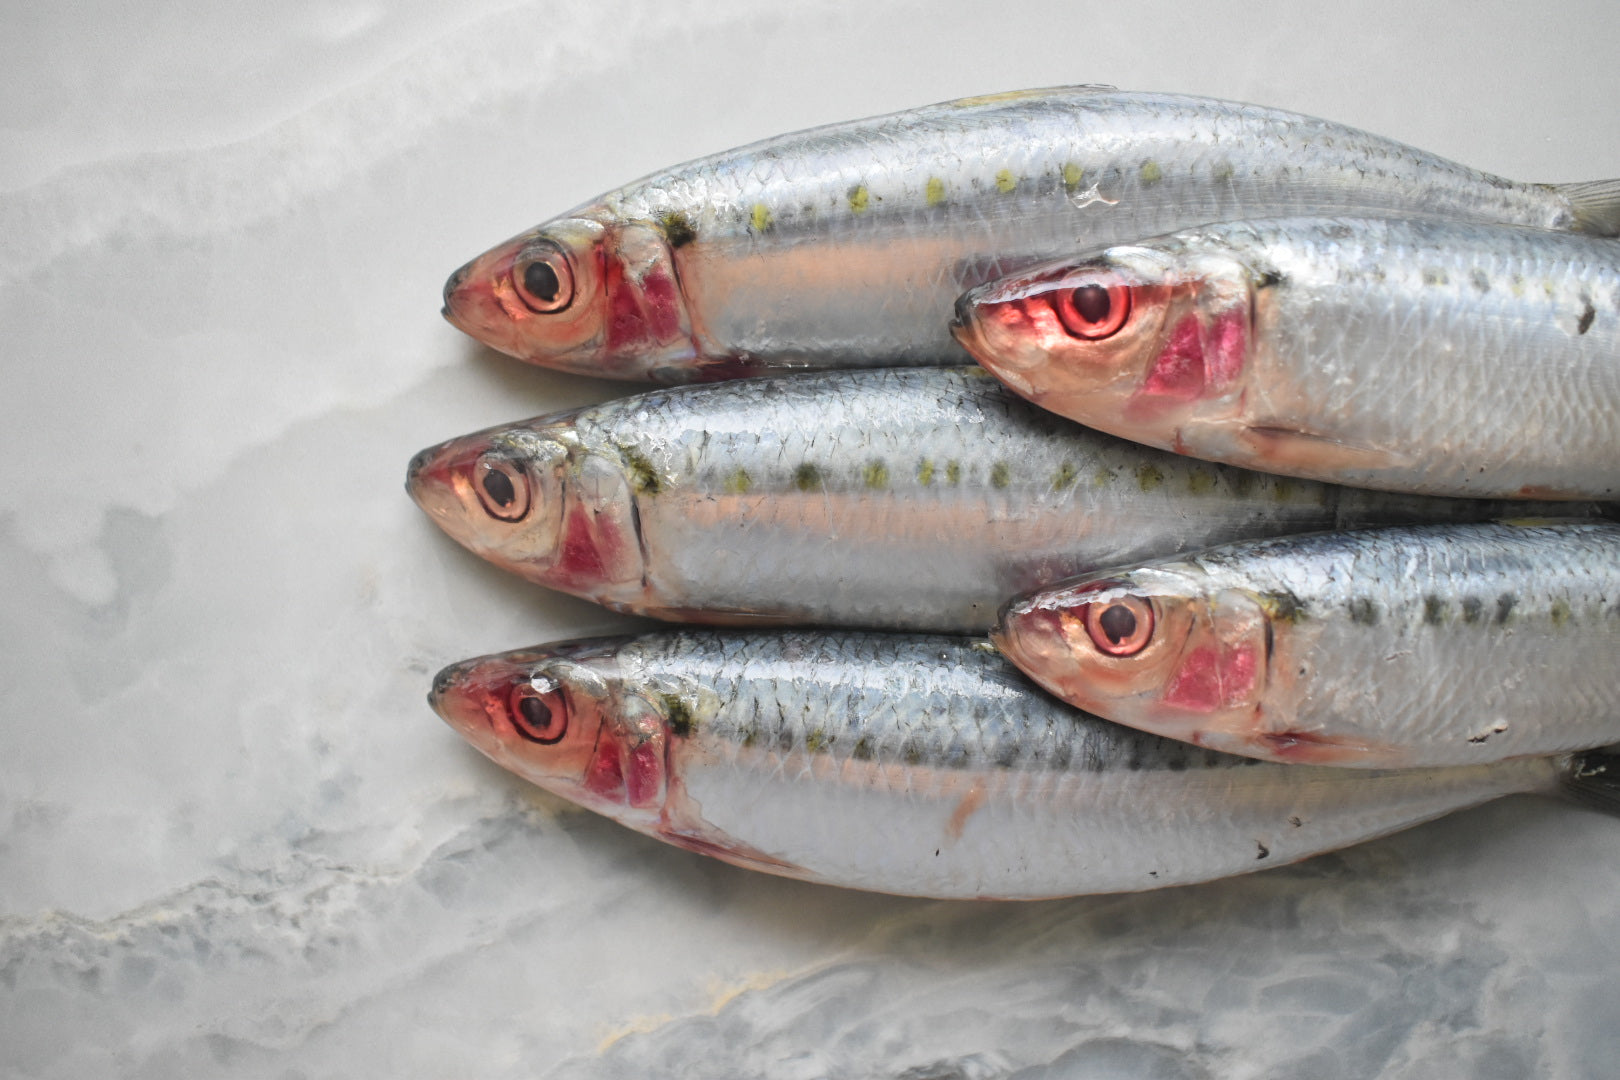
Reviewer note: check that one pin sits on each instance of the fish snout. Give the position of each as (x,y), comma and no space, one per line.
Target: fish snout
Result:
(452,289)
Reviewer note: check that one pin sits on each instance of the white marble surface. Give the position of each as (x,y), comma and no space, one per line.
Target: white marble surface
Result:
(233,839)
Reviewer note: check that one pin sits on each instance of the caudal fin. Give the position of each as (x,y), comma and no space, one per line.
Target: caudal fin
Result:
(1596,205)
(1593,778)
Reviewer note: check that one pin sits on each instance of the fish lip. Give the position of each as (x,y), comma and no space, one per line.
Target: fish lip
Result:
(452,289)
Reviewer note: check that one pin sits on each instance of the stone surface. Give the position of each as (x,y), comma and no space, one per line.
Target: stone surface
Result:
(233,838)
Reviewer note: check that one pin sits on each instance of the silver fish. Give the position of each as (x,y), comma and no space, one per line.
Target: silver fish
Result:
(918,765)
(1431,357)
(1413,646)
(912,498)
(846,245)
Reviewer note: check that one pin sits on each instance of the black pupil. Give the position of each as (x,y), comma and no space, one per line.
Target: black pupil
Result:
(535,714)
(1118,622)
(1091,301)
(541,281)
(499,487)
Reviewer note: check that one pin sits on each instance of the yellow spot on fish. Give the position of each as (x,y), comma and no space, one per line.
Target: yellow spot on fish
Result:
(1065,476)
(739,482)
(875,475)
(816,740)
(1560,612)
(1151,173)
(925,472)
(934,191)
(953,472)
(1223,172)
(1006,182)
(1000,474)
(1102,478)
(859,198)
(1071,177)
(1432,276)
(996,99)
(1149,477)
(1200,482)
(1283,491)
(761,217)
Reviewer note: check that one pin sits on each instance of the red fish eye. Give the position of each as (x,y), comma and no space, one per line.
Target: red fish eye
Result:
(1122,626)
(537,714)
(502,486)
(1094,311)
(544,280)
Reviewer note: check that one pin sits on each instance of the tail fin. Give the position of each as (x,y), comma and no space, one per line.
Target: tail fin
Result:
(1593,778)
(1595,204)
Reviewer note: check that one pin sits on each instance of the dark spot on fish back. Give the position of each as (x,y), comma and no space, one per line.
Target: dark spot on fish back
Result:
(679,715)
(1000,475)
(1268,279)
(1264,851)
(643,477)
(1284,606)
(677,228)
(1363,610)
(1434,610)
(1560,612)
(1480,281)
(807,477)
(1472,609)
(1504,607)
(1587,316)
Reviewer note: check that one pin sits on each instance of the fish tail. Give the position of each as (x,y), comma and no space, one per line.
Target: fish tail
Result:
(1595,204)
(1593,779)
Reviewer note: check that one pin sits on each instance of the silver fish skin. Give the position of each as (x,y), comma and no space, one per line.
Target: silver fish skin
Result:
(846,245)
(1382,648)
(919,765)
(1429,357)
(908,498)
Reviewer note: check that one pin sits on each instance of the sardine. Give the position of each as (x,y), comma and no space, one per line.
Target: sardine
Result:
(919,765)
(1431,357)
(1410,646)
(846,245)
(912,498)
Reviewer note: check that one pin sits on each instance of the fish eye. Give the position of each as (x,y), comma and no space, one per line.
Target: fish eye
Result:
(537,713)
(543,279)
(1094,310)
(1121,627)
(502,486)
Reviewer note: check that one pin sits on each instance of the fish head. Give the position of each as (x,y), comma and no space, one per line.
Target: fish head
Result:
(1164,649)
(557,717)
(588,294)
(528,498)
(1132,341)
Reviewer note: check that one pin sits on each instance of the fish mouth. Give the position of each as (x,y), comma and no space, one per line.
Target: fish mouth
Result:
(452,291)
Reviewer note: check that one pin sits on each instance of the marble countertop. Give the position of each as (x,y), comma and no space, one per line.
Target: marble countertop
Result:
(233,838)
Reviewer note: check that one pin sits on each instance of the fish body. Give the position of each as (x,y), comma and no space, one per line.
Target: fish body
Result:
(1394,647)
(1433,357)
(920,765)
(846,245)
(910,498)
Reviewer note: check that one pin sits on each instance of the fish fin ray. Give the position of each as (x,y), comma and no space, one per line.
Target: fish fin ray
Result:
(1596,205)
(1298,448)
(1593,779)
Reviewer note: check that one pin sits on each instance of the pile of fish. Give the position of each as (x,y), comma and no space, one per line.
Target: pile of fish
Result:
(1246,308)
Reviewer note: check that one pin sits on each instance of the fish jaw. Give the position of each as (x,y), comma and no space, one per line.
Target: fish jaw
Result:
(1201,673)
(606,302)
(1177,347)
(569,522)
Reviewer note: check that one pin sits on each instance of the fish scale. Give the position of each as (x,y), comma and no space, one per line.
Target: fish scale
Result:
(927,765)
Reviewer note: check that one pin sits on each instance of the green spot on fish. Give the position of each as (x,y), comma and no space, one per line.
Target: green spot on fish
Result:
(817,740)
(1560,612)
(1151,172)
(1006,182)
(807,477)
(859,198)
(953,472)
(1223,172)
(644,479)
(677,228)
(875,475)
(934,191)
(679,714)
(1200,481)
(1282,607)
(739,482)
(760,218)
(1000,475)
(1434,610)
(1149,477)
(1065,476)
(1072,175)
(1363,611)
(1102,478)
(925,472)
(862,750)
